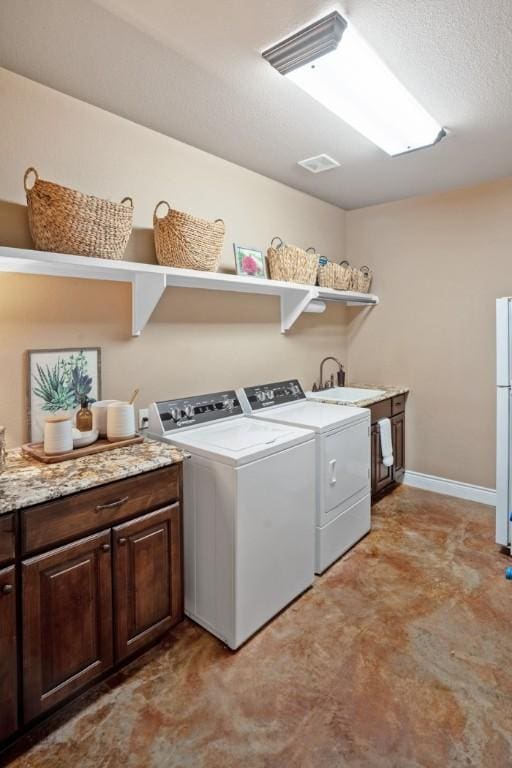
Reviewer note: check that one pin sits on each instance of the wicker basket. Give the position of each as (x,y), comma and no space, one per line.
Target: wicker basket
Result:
(67,221)
(291,264)
(184,241)
(362,279)
(338,276)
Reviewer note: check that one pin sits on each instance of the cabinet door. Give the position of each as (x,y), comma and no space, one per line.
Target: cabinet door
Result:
(67,621)
(398,438)
(8,663)
(147,578)
(382,476)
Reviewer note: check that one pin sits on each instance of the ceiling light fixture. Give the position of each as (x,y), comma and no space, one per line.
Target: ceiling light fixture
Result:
(352,81)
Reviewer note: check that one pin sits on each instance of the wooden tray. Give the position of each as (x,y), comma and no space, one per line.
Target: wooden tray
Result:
(35,450)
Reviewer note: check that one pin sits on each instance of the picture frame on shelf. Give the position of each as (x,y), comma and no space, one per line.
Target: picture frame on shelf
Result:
(57,381)
(249,262)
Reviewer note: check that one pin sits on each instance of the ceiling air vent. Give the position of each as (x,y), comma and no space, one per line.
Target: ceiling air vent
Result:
(319,163)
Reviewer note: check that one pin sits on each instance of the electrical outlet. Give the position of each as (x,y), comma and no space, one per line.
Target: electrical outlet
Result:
(143,418)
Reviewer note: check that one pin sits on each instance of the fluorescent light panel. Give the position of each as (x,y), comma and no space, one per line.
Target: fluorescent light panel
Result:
(352,81)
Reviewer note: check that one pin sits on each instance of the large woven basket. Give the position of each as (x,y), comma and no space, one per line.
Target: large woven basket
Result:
(185,241)
(67,221)
(291,264)
(338,276)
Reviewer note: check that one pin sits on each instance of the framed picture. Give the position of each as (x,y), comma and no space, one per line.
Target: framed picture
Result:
(249,261)
(57,381)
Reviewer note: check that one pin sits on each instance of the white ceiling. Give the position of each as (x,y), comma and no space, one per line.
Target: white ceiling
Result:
(193,70)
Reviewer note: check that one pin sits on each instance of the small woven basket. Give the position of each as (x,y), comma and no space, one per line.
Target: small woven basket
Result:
(362,279)
(185,241)
(291,264)
(67,221)
(338,276)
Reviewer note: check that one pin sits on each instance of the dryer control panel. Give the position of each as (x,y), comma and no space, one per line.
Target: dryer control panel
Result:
(265,395)
(170,415)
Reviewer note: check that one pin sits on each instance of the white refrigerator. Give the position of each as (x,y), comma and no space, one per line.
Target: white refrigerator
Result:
(504,421)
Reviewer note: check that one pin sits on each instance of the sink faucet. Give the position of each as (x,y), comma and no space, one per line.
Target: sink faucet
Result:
(340,375)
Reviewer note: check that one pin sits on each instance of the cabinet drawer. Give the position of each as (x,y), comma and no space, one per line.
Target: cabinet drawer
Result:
(7,540)
(381,410)
(73,516)
(398,404)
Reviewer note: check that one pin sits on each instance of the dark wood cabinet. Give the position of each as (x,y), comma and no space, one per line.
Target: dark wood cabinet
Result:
(385,478)
(147,578)
(99,578)
(67,621)
(8,665)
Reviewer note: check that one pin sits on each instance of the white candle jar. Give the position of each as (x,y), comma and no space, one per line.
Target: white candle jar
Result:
(58,435)
(120,421)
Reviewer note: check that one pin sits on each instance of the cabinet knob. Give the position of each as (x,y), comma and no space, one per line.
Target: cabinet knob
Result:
(7,589)
(122,540)
(105,547)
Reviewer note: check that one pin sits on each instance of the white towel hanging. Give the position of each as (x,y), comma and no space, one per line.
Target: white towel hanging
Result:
(386,443)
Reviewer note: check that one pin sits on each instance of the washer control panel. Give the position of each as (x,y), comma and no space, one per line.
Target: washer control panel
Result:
(278,393)
(198,410)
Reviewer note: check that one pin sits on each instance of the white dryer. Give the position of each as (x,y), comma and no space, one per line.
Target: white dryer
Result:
(343,493)
(249,527)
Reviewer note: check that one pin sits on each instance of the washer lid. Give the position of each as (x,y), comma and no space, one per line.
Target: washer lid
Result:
(241,439)
(321,417)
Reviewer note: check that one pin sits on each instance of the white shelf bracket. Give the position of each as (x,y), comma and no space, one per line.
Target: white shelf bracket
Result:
(147,290)
(293,304)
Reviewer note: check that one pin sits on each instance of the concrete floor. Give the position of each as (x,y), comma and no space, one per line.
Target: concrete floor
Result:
(400,656)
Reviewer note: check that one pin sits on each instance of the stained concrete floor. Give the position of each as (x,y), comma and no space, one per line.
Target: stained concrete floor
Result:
(400,656)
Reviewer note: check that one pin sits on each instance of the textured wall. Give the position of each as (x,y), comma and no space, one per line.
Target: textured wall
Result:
(196,341)
(440,263)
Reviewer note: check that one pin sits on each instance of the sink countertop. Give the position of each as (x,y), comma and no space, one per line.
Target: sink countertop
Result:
(388,392)
(26,481)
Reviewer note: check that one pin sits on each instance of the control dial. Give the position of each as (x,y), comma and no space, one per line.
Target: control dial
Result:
(260,396)
(175,414)
(189,411)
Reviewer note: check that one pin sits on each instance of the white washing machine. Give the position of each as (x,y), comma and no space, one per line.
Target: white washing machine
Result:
(342,436)
(249,527)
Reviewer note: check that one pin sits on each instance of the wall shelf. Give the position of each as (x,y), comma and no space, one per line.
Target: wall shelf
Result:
(149,281)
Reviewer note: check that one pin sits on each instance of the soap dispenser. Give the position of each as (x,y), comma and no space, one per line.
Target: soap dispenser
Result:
(84,417)
(341,377)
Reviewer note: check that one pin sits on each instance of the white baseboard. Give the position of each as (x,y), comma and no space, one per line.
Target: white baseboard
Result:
(451,487)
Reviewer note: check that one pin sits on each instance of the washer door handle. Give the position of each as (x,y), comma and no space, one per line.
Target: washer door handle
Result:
(332,468)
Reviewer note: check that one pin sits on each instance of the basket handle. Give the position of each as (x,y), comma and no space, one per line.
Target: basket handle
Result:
(345,262)
(311,249)
(280,242)
(221,221)
(365,270)
(126,199)
(162,202)
(25,177)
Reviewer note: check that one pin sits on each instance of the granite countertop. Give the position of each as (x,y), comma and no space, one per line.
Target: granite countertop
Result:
(26,481)
(388,392)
